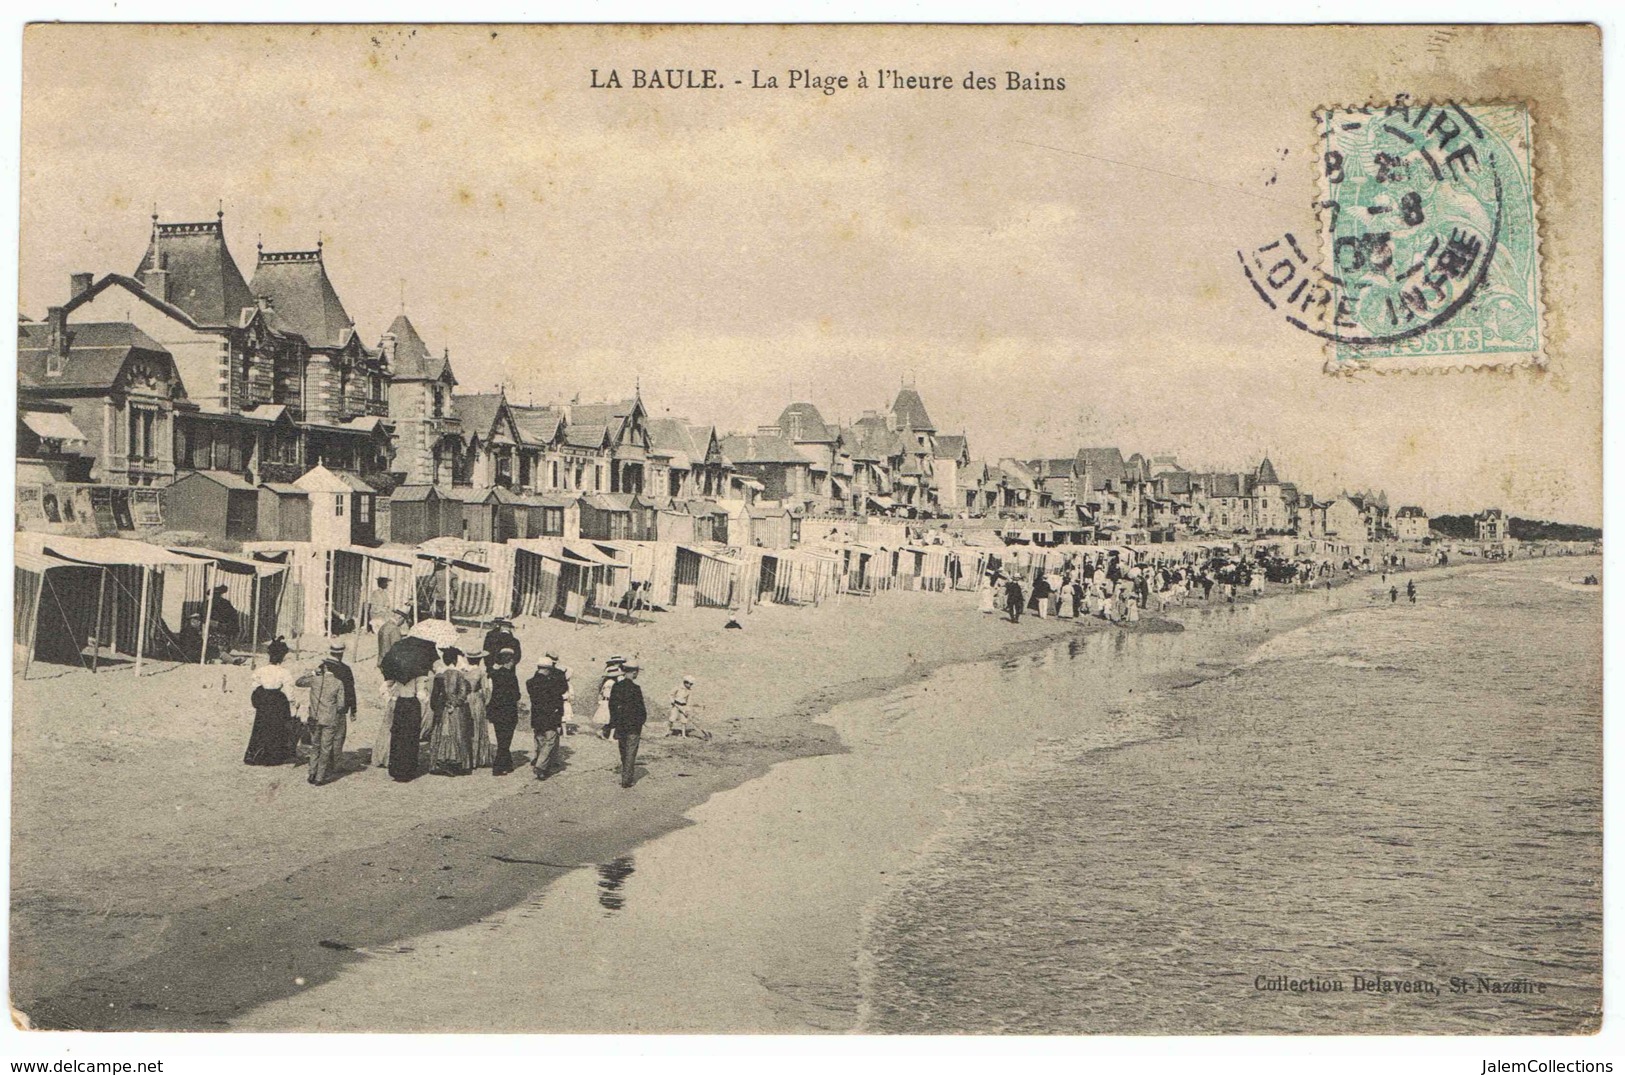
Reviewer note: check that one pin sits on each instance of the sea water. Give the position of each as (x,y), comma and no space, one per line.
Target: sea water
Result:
(1386,820)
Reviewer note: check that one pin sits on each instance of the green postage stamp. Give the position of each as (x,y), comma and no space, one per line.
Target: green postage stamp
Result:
(1430,248)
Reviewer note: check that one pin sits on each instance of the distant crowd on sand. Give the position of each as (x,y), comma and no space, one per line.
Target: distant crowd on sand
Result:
(1115,588)
(449,711)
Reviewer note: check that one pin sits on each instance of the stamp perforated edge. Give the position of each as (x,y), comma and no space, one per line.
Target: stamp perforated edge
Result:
(1434,364)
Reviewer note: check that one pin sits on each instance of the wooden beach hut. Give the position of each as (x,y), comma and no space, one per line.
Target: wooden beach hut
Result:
(213,502)
(284,512)
(419,513)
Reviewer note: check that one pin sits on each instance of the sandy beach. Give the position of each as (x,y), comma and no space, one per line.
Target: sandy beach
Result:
(158,883)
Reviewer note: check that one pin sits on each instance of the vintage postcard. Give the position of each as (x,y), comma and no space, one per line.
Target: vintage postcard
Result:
(809,530)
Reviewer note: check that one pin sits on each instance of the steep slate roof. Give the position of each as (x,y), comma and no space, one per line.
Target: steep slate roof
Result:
(802,423)
(870,439)
(1176,481)
(97,352)
(537,425)
(1225,485)
(204,279)
(909,410)
(673,439)
(413,361)
(1411,511)
(758,449)
(1104,464)
(477,411)
(1266,472)
(581,435)
(296,283)
(951,446)
(1017,474)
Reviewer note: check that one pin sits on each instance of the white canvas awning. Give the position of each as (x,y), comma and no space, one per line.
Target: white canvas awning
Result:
(50,425)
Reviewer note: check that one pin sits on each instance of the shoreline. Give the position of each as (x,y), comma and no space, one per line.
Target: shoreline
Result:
(192,981)
(188,979)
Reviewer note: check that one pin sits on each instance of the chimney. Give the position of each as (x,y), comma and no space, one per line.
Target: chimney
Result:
(79,283)
(156,281)
(387,346)
(58,345)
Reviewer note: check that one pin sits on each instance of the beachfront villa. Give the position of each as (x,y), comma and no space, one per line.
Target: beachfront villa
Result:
(188,367)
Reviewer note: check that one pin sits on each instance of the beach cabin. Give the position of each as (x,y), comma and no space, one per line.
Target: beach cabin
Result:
(606,517)
(343,508)
(541,515)
(419,513)
(213,502)
(284,512)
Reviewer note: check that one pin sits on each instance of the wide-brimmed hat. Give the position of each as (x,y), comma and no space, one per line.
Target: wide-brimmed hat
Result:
(629,666)
(335,647)
(689,680)
(502,621)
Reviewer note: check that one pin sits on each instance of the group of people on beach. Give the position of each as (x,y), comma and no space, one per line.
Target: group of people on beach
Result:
(449,710)
(1116,589)
(1110,588)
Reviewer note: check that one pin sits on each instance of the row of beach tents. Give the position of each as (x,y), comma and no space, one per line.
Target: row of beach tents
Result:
(108,602)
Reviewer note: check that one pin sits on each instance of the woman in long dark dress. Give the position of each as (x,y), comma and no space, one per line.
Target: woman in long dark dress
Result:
(406,723)
(273,740)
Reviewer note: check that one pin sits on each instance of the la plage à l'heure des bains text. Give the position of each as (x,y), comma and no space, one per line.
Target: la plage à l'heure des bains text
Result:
(805,78)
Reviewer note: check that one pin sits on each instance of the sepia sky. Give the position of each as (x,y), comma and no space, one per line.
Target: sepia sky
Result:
(1051,269)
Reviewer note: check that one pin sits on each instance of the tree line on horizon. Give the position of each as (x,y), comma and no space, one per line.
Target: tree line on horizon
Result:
(1463,528)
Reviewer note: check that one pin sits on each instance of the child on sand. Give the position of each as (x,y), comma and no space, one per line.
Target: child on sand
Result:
(679,718)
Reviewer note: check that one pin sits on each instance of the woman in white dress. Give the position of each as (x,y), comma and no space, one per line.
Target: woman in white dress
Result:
(612,672)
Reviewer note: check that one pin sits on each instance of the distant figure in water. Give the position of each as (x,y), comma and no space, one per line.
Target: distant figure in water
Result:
(1410,591)
(1393,594)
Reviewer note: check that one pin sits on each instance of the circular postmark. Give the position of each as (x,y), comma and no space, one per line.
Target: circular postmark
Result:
(1426,234)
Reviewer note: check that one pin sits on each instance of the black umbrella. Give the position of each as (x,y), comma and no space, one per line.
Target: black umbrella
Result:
(408,659)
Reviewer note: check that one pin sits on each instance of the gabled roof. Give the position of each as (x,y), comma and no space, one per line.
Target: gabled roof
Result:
(97,352)
(1103,464)
(1017,475)
(673,439)
(951,446)
(613,417)
(871,439)
(477,411)
(1225,485)
(586,435)
(296,282)
(203,277)
(759,449)
(413,360)
(536,425)
(1176,481)
(909,410)
(220,477)
(801,423)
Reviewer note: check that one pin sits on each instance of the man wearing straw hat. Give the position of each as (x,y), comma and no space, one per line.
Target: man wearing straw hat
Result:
(393,628)
(332,701)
